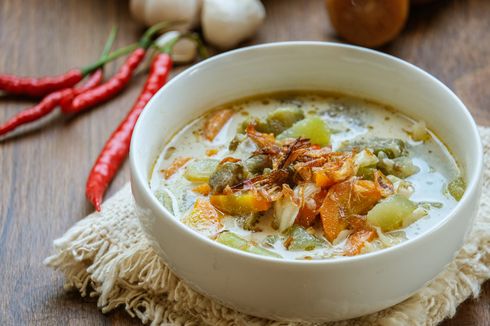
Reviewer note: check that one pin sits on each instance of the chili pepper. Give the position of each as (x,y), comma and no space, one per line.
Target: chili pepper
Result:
(39,86)
(36,112)
(116,84)
(117,147)
(45,85)
(94,80)
(49,102)
(109,89)
(96,77)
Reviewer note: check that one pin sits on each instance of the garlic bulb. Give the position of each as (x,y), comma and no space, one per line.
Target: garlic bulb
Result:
(226,23)
(185,50)
(150,12)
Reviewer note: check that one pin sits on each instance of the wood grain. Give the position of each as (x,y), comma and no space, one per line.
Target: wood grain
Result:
(43,171)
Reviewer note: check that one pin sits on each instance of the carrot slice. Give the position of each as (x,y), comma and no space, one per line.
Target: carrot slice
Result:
(204,218)
(307,216)
(215,123)
(345,199)
(357,240)
(339,169)
(331,214)
(203,189)
(175,166)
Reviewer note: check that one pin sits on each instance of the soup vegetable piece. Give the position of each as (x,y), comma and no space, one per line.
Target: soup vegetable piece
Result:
(307,176)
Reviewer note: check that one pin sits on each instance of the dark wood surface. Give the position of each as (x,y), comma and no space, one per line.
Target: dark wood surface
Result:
(43,171)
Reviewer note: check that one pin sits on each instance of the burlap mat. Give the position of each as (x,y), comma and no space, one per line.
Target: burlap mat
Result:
(107,255)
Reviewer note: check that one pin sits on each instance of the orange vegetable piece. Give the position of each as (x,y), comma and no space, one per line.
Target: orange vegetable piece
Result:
(343,200)
(259,138)
(307,216)
(240,203)
(332,215)
(370,23)
(337,170)
(212,151)
(365,195)
(215,122)
(204,218)
(203,189)
(357,240)
(175,166)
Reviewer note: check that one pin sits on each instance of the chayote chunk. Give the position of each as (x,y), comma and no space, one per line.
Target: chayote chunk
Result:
(366,173)
(312,128)
(231,239)
(165,199)
(401,167)
(300,239)
(391,213)
(200,170)
(283,118)
(276,122)
(456,188)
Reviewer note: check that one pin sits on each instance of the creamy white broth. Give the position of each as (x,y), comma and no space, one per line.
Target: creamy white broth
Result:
(348,118)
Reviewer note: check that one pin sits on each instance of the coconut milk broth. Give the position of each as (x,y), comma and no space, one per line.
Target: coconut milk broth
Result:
(348,118)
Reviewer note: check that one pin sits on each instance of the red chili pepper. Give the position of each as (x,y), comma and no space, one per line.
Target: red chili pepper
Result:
(110,88)
(39,86)
(49,103)
(36,112)
(94,80)
(117,147)
(45,85)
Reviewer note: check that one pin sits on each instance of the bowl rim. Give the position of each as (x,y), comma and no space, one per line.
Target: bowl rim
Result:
(471,188)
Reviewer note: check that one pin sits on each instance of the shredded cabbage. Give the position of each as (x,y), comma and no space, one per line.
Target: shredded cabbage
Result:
(285,212)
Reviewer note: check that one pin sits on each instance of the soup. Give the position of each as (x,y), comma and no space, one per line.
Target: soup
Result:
(307,176)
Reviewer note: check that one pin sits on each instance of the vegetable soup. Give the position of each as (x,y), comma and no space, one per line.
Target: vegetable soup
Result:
(307,176)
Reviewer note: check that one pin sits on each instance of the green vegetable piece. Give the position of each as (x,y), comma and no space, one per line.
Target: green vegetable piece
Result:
(165,199)
(270,240)
(427,205)
(227,174)
(401,167)
(250,220)
(392,147)
(276,122)
(302,240)
(256,164)
(260,126)
(200,170)
(366,173)
(231,239)
(391,213)
(236,141)
(312,128)
(283,118)
(456,188)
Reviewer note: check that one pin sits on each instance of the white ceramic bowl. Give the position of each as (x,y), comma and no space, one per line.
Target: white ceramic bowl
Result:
(305,290)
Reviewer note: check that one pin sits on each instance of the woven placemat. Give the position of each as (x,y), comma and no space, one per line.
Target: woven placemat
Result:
(106,255)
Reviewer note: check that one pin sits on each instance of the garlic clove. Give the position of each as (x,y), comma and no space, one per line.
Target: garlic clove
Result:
(151,12)
(184,51)
(226,23)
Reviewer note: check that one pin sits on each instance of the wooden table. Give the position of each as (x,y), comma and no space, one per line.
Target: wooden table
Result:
(43,172)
